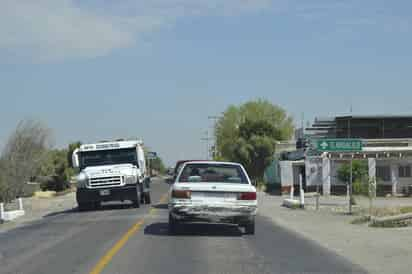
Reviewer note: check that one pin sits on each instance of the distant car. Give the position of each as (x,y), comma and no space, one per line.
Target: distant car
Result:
(212,192)
(169,171)
(179,165)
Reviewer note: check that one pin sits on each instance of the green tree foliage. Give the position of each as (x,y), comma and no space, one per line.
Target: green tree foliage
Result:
(359,177)
(157,164)
(248,134)
(55,172)
(359,171)
(3,186)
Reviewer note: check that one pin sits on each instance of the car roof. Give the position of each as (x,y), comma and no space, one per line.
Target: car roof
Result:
(185,161)
(182,162)
(213,163)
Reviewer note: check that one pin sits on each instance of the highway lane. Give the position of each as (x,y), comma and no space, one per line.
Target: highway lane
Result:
(119,240)
(69,242)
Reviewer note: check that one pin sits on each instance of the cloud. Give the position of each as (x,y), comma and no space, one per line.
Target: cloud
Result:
(353,12)
(53,30)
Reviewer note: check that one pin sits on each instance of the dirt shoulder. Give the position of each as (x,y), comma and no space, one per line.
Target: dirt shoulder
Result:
(38,208)
(377,250)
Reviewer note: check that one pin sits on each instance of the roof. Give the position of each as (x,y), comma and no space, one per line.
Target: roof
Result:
(110,145)
(213,162)
(379,116)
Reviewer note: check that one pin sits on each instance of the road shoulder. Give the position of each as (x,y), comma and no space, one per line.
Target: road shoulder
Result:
(39,208)
(377,250)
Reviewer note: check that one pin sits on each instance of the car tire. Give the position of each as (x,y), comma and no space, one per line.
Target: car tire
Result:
(172,225)
(250,228)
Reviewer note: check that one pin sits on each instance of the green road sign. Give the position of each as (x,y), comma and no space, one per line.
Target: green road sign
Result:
(151,155)
(339,145)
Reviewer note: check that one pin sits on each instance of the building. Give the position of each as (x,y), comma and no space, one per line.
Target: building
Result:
(363,127)
(272,173)
(387,148)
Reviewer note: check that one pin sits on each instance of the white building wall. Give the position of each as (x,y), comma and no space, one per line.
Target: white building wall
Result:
(398,184)
(325,172)
(326,176)
(313,166)
(286,173)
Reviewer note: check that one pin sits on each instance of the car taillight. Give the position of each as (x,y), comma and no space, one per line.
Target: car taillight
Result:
(247,196)
(181,194)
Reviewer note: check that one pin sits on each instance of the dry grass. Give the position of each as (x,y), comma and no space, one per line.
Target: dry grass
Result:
(361,220)
(384,212)
(406,209)
(44,194)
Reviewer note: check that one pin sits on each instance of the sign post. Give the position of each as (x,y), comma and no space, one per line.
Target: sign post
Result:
(350,186)
(151,156)
(343,146)
(339,145)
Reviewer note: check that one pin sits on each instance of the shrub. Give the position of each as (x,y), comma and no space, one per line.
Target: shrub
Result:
(360,188)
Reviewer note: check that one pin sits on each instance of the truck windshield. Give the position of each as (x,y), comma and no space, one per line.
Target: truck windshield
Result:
(108,157)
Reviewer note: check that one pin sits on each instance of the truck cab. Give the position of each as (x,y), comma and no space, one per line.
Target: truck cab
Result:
(111,171)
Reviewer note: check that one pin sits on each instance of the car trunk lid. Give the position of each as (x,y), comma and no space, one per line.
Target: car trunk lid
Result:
(215,192)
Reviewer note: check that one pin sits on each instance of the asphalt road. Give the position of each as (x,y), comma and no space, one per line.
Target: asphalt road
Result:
(119,240)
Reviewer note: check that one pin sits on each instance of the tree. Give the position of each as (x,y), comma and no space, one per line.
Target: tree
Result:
(359,171)
(22,157)
(157,164)
(359,175)
(248,134)
(55,172)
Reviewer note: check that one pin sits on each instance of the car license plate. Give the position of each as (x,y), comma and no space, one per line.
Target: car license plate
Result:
(105,192)
(215,195)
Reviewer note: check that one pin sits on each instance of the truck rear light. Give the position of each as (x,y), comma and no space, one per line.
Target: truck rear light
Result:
(181,194)
(247,196)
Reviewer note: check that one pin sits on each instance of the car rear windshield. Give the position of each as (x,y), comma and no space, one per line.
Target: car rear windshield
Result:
(216,173)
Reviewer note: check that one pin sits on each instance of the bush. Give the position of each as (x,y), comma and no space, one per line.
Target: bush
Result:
(360,188)
(54,173)
(359,171)
(54,183)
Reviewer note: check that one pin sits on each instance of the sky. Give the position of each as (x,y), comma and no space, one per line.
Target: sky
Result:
(101,69)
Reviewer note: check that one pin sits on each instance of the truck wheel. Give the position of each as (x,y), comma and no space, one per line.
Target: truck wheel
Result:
(136,203)
(96,205)
(250,228)
(83,206)
(147,198)
(172,225)
(142,194)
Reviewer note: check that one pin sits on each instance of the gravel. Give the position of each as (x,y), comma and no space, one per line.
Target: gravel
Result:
(377,250)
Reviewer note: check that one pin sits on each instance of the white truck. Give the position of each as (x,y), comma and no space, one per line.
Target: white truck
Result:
(111,171)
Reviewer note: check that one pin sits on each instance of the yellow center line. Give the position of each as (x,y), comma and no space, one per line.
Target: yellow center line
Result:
(108,257)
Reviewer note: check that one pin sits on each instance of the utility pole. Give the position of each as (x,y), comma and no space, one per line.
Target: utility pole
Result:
(207,139)
(215,119)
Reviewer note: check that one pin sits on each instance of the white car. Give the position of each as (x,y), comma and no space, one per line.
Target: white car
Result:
(213,192)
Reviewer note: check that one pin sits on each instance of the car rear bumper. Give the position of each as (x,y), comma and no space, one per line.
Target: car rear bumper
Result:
(213,214)
(84,195)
